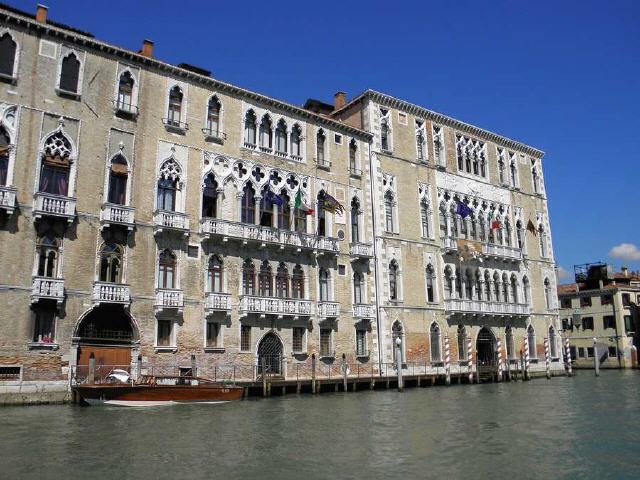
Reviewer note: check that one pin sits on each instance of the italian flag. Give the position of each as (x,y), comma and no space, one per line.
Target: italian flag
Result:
(302,204)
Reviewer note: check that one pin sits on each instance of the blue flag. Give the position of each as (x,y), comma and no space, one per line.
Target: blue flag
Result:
(273,198)
(463,210)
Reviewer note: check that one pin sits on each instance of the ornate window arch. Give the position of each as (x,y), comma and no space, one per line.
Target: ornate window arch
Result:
(430,277)
(215,274)
(250,120)
(213,120)
(70,76)
(266,132)
(127,93)
(282,281)
(281,137)
(531,337)
(434,341)
(167,269)
(394,280)
(296,142)
(117,191)
(248,277)
(111,263)
(57,161)
(265,280)
(324,280)
(297,282)
(8,56)
(170,186)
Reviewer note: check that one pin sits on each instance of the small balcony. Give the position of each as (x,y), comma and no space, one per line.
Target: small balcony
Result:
(363,310)
(281,307)
(323,163)
(224,229)
(172,221)
(355,172)
(175,126)
(328,309)
(361,250)
(122,215)
(50,205)
(7,199)
(485,307)
(216,136)
(44,288)
(489,250)
(115,293)
(169,299)
(125,109)
(217,302)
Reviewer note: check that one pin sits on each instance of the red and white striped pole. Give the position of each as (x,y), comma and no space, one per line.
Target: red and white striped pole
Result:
(470,359)
(500,365)
(567,350)
(447,360)
(526,357)
(547,358)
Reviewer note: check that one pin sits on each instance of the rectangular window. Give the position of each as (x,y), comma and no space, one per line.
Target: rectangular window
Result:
(9,373)
(613,352)
(164,333)
(585,301)
(342,270)
(566,324)
(590,352)
(565,303)
(587,323)
(361,342)
(628,324)
(581,352)
(245,338)
(402,118)
(609,321)
(325,343)
(338,139)
(213,333)
(45,324)
(605,300)
(298,339)
(626,299)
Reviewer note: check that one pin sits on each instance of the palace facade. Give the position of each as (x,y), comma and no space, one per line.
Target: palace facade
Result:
(151,213)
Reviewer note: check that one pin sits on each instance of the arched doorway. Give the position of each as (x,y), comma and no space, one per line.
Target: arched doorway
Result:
(108,333)
(486,348)
(270,355)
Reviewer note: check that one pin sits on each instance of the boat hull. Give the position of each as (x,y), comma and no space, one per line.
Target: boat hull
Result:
(96,394)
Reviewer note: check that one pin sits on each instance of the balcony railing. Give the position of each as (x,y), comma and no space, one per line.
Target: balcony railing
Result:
(323,163)
(275,306)
(217,302)
(175,125)
(44,288)
(267,235)
(214,135)
(125,108)
(488,249)
(328,309)
(485,307)
(7,199)
(107,292)
(169,298)
(113,214)
(363,310)
(361,250)
(165,220)
(47,204)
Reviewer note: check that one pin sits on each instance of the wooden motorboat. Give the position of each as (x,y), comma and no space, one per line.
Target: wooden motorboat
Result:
(155,390)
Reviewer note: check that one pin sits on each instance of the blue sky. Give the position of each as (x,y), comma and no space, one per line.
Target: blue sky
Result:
(563,76)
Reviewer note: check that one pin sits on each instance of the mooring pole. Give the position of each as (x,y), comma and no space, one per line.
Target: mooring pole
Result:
(470,358)
(499,348)
(264,377)
(194,366)
(399,362)
(526,357)
(313,373)
(92,368)
(596,360)
(567,350)
(344,372)
(547,358)
(447,361)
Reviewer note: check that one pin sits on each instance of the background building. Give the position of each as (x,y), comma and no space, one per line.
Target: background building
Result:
(152,213)
(603,306)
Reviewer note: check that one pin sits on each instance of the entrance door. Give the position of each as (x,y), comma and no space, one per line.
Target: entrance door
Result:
(486,348)
(111,356)
(270,352)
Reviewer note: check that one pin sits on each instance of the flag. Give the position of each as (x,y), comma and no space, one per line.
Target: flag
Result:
(302,204)
(495,224)
(469,250)
(274,198)
(463,210)
(328,203)
(532,228)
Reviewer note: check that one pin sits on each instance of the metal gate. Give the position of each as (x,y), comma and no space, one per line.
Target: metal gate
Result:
(270,355)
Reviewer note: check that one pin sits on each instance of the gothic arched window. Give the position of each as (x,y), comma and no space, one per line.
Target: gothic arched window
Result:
(215,273)
(118,177)
(111,263)
(70,73)
(250,129)
(8,48)
(167,265)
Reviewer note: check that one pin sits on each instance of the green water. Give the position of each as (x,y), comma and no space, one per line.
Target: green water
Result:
(580,427)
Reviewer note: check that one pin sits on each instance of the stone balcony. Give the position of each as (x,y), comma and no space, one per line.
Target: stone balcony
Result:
(7,199)
(217,302)
(328,309)
(47,204)
(112,214)
(225,229)
(485,307)
(489,250)
(44,288)
(171,221)
(361,250)
(114,293)
(263,306)
(363,310)
(169,299)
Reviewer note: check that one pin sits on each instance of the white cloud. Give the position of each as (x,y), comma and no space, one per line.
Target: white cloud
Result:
(563,273)
(625,251)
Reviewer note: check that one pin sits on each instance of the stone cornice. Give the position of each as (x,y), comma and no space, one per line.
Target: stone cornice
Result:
(439,118)
(136,58)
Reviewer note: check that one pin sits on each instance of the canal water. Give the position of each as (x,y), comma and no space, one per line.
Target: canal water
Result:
(580,427)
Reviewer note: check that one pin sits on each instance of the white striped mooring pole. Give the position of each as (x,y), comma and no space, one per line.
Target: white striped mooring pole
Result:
(500,366)
(526,358)
(547,358)
(447,361)
(567,351)
(470,359)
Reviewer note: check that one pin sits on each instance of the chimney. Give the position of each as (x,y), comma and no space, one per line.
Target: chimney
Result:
(339,100)
(41,13)
(625,271)
(147,48)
